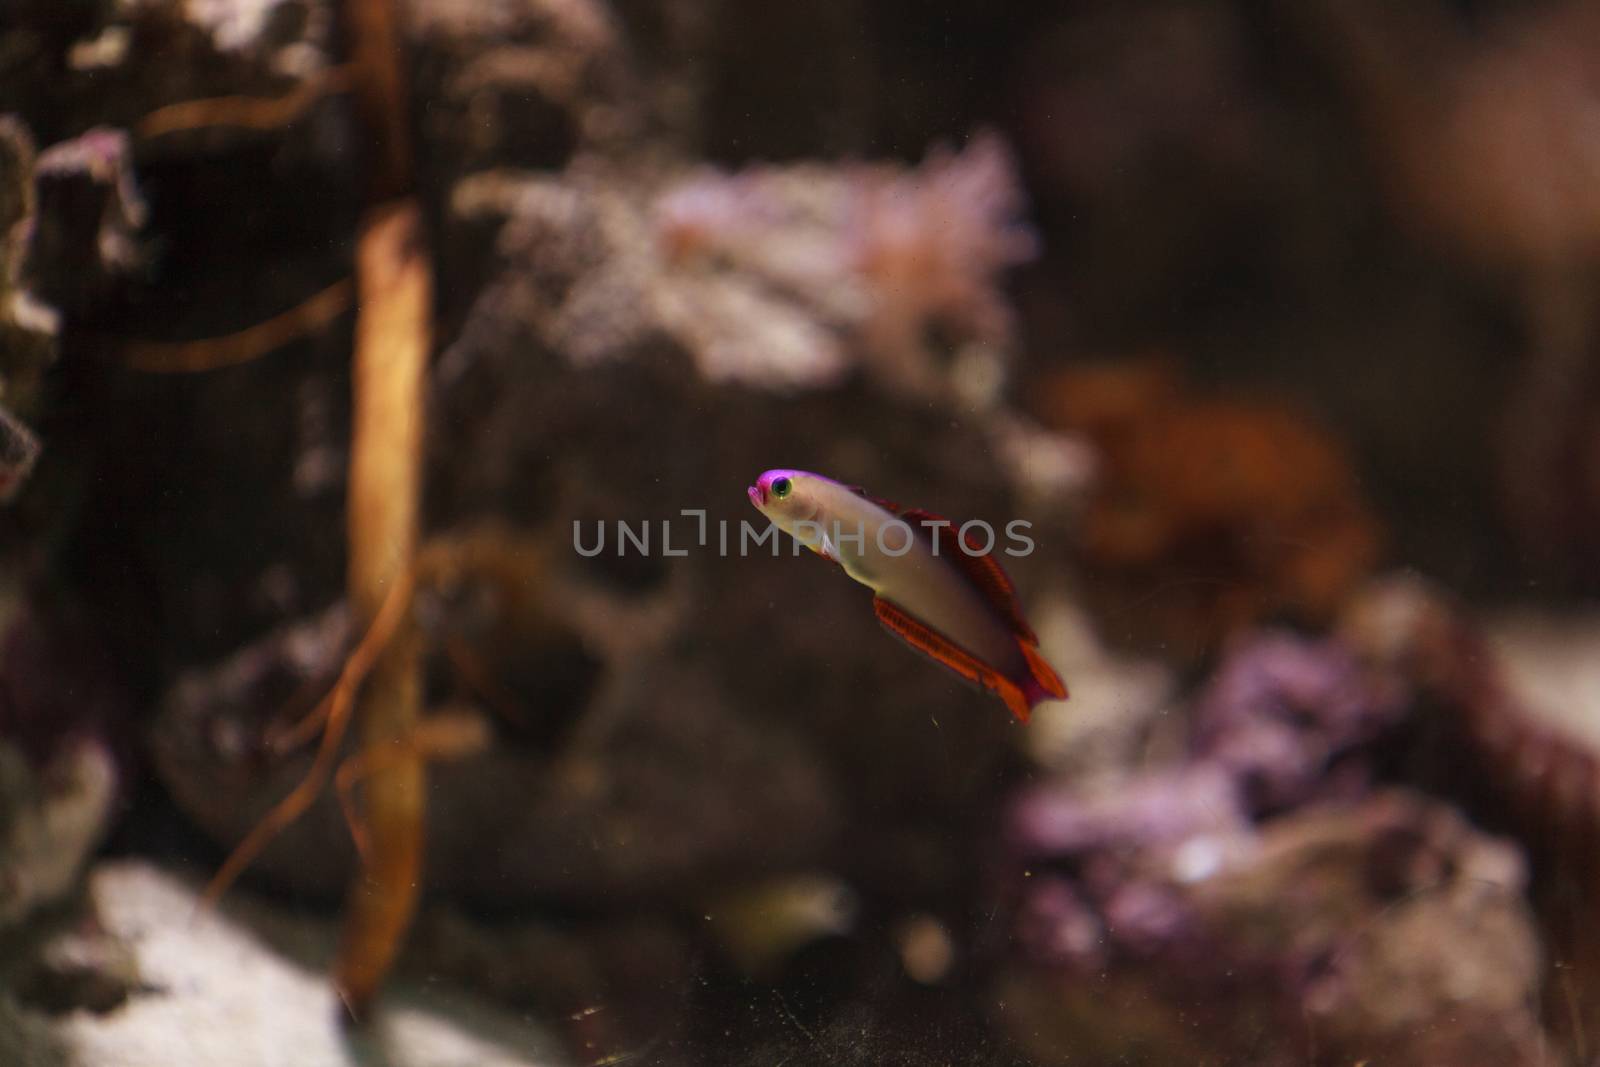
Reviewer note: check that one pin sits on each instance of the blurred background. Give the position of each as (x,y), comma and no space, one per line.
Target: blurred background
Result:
(327,327)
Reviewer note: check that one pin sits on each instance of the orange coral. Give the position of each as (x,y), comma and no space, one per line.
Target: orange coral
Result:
(1210,513)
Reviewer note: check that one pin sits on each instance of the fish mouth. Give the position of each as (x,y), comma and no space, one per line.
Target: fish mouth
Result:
(757,495)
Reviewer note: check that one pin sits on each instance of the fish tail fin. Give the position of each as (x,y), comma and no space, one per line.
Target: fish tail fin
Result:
(1044,675)
(1042,683)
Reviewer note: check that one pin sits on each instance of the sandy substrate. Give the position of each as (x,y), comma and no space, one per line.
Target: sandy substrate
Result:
(246,987)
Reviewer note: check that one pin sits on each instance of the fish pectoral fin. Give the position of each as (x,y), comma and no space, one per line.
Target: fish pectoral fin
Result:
(935,645)
(827,550)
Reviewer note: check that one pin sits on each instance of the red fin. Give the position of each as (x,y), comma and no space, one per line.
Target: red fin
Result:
(992,583)
(985,572)
(958,659)
(982,570)
(1051,687)
(1016,700)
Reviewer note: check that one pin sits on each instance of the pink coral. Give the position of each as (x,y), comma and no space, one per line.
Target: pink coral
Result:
(899,264)
(929,245)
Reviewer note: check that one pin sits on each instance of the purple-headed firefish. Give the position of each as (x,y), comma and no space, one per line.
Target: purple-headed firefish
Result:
(932,587)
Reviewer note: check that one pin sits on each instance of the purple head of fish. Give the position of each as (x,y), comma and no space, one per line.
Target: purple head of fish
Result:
(761,493)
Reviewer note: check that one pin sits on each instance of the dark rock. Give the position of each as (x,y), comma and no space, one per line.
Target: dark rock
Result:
(85,239)
(1386,929)
(79,968)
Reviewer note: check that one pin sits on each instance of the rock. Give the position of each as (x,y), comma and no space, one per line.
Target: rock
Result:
(247,986)
(51,817)
(80,967)
(64,715)
(28,328)
(612,797)
(85,242)
(1389,930)
(527,83)
(687,749)
(1508,732)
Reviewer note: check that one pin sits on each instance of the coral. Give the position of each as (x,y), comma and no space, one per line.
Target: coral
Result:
(1245,945)
(929,246)
(903,264)
(1284,715)
(1157,809)
(1256,895)
(1208,514)
(1120,708)
(1509,734)
(28,328)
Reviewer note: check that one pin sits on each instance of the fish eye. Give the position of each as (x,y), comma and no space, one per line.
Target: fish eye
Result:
(781,487)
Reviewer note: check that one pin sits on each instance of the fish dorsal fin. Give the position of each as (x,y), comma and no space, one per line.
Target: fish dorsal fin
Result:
(981,569)
(995,584)
(887,505)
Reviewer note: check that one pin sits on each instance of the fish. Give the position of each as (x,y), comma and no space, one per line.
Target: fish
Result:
(932,587)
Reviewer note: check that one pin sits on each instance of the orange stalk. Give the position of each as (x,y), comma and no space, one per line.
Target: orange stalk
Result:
(392,339)
(333,714)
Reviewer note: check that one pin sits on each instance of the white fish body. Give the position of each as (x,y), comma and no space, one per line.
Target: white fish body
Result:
(924,586)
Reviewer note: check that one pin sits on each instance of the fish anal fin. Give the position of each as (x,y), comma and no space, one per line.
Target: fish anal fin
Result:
(938,647)
(1016,701)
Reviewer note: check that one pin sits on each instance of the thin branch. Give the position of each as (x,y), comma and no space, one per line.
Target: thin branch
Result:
(246,112)
(337,703)
(187,357)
